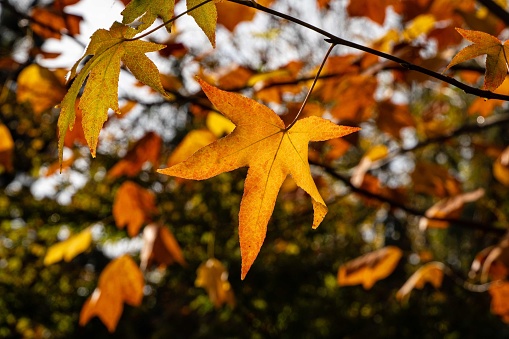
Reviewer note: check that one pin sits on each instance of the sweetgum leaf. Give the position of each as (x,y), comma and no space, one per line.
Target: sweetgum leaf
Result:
(261,142)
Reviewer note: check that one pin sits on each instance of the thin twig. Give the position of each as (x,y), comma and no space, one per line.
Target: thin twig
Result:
(406,64)
(311,89)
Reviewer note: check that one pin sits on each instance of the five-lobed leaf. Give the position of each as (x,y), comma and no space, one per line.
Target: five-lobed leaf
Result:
(109,48)
(496,56)
(148,11)
(261,142)
(206,17)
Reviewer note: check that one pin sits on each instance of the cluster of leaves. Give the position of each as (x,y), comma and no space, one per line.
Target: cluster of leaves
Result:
(421,190)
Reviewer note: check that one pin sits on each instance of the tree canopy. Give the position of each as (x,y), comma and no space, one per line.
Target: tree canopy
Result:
(268,168)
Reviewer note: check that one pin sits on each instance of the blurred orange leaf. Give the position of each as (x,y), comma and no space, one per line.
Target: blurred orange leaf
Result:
(261,142)
(375,10)
(160,247)
(230,14)
(432,272)
(213,277)
(370,267)
(69,248)
(392,118)
(147,149)
(501,167)
(51,22)
(133,206)
(500,300)
(120,281)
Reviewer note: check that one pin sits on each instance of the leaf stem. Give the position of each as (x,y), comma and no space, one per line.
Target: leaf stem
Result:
(312,86)
(164,24)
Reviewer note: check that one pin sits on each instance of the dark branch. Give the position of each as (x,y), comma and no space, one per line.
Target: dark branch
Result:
(495,8)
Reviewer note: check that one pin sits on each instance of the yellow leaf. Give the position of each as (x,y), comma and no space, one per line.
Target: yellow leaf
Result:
(120,281)
(432,273)
(148,11)
(213,277)
(69,248)
(369,268)
(422,24)
(206,17)
(109,48)
(219,125)
(496,61)
(133,206)
(40,87)
(192,142)
(261,142)
(6,148)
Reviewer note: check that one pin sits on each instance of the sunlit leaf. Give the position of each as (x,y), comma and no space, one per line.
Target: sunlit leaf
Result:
(370,267)
(219,125)
(261,142)
(206,17)
(147,11)
(68,249)
(159,247)
(120,282)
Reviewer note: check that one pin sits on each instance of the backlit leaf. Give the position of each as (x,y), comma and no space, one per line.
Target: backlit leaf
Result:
(496,60)
(68,249)
(206,17)
(120,282)
(109,48)
(148,11)
(432,273)
(219,125)
(260,142)
(370,267)
(213,277)
(133,206)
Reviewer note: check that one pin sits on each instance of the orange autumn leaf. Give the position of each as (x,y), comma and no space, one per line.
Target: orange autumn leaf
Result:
(133,206)
(159,247)
(433,179)
(120,282)
(146,149)
(432,272)
(213,277)
(69,248)
(500,300)
(230,14)
(6,149)
(392,118)
(501,167)
(375,10)
(261,142)
(50,23)
(370,267)
(40,87)
(496,61)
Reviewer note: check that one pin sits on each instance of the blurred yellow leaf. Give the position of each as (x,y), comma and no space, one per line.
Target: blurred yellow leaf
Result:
(213,277)
(219,125)
(120,281)
(6,148)
(192,142)
(422,24)
(432,272)
(40,87)
(370,267)
(69,248)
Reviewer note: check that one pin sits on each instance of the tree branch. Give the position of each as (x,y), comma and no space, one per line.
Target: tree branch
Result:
(331,38)
(495,8)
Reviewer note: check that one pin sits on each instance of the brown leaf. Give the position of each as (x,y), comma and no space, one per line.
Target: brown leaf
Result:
(50,23)
(374,10)
(120,281)
(133,206)
(392,118)
(492,262)
(147,149)
(159,247)
(76,135)
(432,272)
(448,208)
(213,277)
(230,14)
(433,179)
(370,267)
